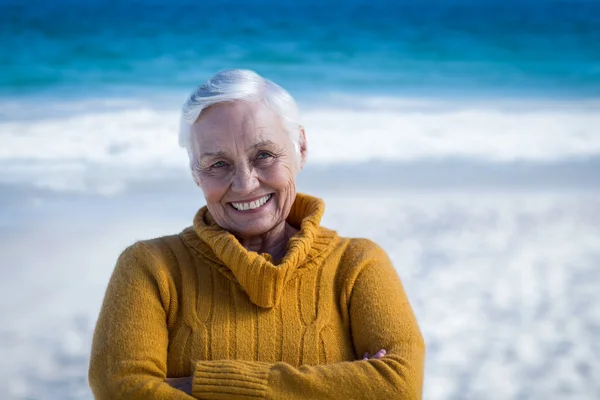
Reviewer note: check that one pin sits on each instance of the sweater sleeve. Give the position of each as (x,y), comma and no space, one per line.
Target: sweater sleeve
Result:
(380,318)
(129,349)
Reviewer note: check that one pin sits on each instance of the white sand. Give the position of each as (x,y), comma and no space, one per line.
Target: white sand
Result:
(505,286)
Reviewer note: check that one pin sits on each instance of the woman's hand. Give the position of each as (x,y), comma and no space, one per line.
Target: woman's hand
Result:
(184,384)
(380,354)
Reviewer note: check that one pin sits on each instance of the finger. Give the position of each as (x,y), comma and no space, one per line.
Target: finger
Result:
(380,354)
(366,356)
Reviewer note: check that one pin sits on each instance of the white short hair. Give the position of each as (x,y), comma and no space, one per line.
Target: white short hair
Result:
(239,85)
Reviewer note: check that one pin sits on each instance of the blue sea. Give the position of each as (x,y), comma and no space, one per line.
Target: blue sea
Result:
(461,135)
(443,47)
(396,47)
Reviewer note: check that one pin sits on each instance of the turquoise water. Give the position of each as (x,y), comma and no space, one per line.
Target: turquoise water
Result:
(454,48)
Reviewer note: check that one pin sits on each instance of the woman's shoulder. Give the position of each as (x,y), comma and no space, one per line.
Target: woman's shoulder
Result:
(156,255)
(159,247)
(358,253)
(362,248)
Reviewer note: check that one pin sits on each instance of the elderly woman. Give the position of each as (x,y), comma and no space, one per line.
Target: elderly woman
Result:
(255,300)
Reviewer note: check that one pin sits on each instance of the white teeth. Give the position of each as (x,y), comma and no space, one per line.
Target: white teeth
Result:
(252,205)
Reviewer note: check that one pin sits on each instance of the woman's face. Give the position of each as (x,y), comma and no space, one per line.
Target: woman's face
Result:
(246,164)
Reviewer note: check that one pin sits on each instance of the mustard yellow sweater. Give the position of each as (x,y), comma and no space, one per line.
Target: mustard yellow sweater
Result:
(199,304)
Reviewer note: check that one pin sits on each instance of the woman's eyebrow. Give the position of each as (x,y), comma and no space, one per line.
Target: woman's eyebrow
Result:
(263,143)
(216,154)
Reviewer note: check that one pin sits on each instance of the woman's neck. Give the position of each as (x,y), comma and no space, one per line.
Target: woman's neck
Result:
(273,242)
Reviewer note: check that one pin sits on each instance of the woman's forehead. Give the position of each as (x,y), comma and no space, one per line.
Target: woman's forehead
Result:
(238,125)
(237,112)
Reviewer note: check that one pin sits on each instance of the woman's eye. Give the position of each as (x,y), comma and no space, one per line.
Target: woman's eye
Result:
(218,164)
(263,154)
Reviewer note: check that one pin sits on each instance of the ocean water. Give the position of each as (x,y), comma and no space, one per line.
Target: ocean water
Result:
(463,136)
(363,46)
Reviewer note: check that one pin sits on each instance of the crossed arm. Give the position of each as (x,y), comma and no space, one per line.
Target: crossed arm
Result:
(185,384)
(129,364)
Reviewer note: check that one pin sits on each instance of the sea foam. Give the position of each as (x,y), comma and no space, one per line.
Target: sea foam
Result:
(107,146)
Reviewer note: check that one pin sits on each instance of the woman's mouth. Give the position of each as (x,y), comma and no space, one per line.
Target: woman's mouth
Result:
(252,205)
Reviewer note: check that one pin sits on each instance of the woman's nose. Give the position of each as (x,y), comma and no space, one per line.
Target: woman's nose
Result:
(245,180)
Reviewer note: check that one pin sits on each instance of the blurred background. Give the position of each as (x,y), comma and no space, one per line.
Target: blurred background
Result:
(461,135)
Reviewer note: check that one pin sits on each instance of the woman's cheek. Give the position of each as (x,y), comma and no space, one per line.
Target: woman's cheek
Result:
(281,175)
(213,189)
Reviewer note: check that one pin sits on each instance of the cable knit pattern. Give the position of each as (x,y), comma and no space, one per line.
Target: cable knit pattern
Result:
(199,304)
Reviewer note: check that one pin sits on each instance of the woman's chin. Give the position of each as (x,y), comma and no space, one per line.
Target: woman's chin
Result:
(255,227)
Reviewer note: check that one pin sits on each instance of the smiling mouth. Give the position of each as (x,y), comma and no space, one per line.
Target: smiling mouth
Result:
(252,205)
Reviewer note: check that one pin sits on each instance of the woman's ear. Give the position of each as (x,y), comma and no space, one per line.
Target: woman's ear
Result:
(303,146)
(192,169)
(196,179)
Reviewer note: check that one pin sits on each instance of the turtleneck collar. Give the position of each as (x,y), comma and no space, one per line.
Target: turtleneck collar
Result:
(262,280)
